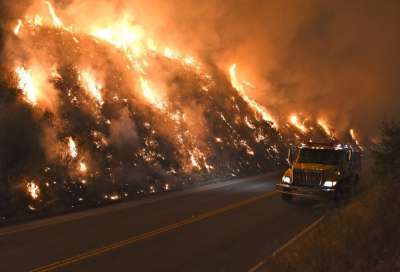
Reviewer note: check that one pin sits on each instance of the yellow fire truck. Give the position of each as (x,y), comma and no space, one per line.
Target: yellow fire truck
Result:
(321,170)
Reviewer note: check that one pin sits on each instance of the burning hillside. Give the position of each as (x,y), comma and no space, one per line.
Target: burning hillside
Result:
(105,112)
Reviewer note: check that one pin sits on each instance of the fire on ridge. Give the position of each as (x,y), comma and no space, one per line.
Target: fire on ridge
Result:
(152,116)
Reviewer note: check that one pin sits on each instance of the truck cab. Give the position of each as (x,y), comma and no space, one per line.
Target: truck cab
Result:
(320,170)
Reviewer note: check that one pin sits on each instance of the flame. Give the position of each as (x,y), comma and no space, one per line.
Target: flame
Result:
(324,125)
(169,53)
(35,21)
(240,88)
(133,40)
(18,27)
(92,86)
(198,160)
(194,161)
(248,123)
(33,190)
(123,35)
(73,150)
(354,136)
(294,120)
(185,60)
(82,167)
(56,20)
(150,95)
(27,85)
(259,137)
(139,51)
(249,150)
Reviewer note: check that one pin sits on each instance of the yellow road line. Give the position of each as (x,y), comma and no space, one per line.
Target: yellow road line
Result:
(147,235)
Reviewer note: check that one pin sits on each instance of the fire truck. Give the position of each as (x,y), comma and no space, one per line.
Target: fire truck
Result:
(321,171)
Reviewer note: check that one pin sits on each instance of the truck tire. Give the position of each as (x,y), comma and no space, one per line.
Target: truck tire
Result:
(287,198)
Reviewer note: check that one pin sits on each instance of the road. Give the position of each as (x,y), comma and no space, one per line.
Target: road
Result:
(227,226)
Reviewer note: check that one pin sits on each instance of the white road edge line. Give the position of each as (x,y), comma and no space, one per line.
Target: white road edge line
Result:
(288,243)
(257,266)
(294,239)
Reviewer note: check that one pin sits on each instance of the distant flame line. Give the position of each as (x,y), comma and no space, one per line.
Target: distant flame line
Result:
(239,87)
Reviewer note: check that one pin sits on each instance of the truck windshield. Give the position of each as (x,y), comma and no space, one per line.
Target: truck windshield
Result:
(321,156)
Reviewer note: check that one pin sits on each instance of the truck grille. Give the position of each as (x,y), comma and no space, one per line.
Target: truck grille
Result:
(307,178)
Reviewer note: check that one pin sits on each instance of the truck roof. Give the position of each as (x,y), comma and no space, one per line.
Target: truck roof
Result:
(331,145)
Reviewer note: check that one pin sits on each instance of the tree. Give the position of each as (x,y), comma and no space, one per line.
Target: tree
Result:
(386,153)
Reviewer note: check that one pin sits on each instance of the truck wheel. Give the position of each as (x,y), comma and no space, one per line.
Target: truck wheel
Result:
(287,198)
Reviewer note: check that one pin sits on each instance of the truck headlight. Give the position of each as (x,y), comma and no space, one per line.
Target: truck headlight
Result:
(329,183)
(286,179)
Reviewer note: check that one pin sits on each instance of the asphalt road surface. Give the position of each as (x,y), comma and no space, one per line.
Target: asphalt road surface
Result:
(227,226)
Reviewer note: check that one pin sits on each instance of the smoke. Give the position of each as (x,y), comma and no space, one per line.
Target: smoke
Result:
(123,132)
(341,63)
(336,60)
(111,96)
(323,58)
(9,13)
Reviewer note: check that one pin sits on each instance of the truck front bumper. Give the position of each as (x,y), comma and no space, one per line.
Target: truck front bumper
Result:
(307,192)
